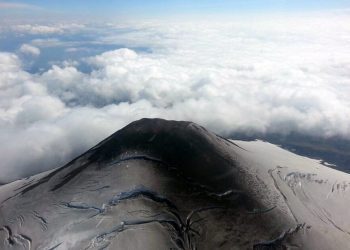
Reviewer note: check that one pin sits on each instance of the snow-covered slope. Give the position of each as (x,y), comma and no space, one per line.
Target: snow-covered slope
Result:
(160,184)
(314,195)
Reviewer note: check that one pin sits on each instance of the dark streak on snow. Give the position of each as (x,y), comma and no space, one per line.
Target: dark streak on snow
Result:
(182,229)
(126,224)
(279,241)
(83,207)
(282,194)
(231,142)
(142,191)
(12,239)
(261,211)
(55,247)
(68,177)
(8,230)
(41,219)
(139,157)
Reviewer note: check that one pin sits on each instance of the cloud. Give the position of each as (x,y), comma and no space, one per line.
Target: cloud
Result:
(73,49)
(264,76)
(8,5)
(38,29)
(29,49)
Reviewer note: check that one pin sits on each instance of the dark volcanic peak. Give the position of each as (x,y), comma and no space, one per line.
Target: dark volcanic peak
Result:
(186,146)
(158,184)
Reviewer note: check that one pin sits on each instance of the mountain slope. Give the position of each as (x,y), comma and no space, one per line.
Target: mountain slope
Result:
(158,184)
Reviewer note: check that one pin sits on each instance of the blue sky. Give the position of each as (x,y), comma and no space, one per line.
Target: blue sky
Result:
(167,7)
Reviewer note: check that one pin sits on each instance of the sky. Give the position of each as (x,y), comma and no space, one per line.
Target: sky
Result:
(276,67)
(157,8)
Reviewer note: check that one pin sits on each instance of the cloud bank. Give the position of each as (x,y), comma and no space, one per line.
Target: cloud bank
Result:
(264,76)
(40,29)
(29,49)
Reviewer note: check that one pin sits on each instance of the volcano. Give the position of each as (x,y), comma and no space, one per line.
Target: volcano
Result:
(158,184)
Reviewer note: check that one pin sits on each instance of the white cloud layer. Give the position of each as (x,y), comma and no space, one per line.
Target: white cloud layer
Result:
(39,29)
(262,76)
(29,49)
